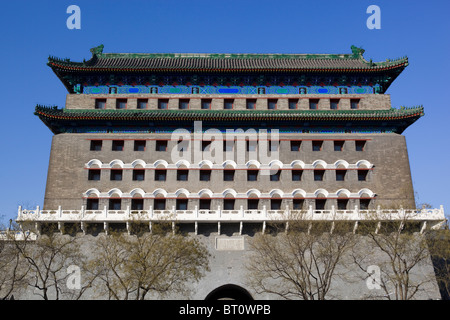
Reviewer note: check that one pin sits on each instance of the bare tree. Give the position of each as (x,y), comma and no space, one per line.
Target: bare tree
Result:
(300,263)
(13,270)
(48,258)
(400,251)
(439,246)
(157,263)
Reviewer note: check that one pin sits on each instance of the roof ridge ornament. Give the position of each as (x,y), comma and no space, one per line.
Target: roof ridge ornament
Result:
(357,52)
(97,50)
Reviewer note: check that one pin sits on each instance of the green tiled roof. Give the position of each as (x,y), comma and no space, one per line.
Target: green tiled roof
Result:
(225,115)
(158,62)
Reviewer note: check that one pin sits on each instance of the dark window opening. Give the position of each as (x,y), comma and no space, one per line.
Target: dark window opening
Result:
(100,103)
(295,145)
(94,174)
(275,204)
(251,104)
(142,103)
(183,104)
(297,175)
(339,145)
(205,175)
(297,204)
(228,175)
(228,104)
(138,175)
(313,104)
(320,204)
(161,145)
(272,104)
(318,175)
(206,104)
(252,204)
(163,104)
(362,175)
(182,175)
(292,103)
(334,104)
(160,175)
(206,145)
(96,145)
(360,145)
(92,204)
(340,175)
(354,103)
(115,204)
(159,204)
(205,204)
(275,176)
(182,204)
(228,204)
(252,175)
(116,175)
(364,204)
(342,204)
(117,145)
(139,145)
(317,145)
(121,103)
(137,204)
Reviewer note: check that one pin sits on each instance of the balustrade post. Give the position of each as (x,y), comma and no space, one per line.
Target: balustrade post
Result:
(196,211)
(242,211)
(61,227)
(105,212)
(264,211)
(83,227)
(82,212)
(355,227)
(106,227)
(424,227)
(37,227)
(19,212)
(59,212)
(38,211)
(220,211)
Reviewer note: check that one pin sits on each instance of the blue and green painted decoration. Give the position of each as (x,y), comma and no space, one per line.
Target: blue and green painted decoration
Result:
(181,89)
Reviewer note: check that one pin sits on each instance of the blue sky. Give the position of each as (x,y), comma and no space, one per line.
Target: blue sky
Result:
(33,30)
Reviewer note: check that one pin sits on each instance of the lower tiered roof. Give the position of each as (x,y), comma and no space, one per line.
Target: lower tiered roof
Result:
(395,120)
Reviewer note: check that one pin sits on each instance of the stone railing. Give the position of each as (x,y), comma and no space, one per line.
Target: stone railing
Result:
(202,215)
(428,218)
